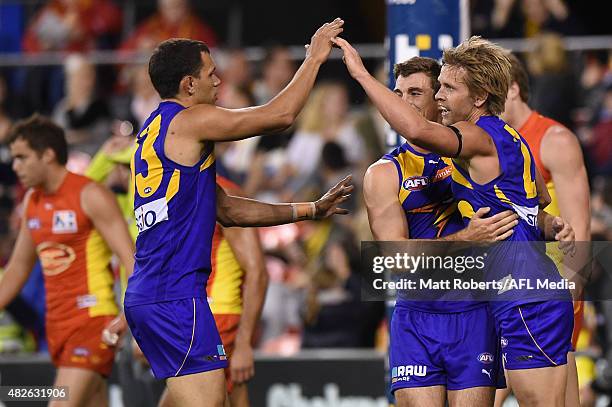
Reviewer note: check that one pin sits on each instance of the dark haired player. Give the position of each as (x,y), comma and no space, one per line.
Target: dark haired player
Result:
(177,204)
(73,225)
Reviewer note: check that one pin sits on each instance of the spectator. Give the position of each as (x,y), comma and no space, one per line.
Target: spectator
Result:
(84,116)
(135,105)
(532,17)
(554,92)
(324,118)
(73,25)
(174,18)
(276,72)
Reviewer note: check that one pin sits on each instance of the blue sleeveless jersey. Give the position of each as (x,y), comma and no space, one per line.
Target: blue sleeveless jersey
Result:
(175,208)
(431,212)
(514,189)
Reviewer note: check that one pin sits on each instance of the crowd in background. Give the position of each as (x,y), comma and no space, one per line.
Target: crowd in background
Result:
(314,295)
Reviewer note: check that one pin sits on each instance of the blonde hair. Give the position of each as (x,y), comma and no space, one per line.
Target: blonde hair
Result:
(548,56)
(488,70)
(312,119)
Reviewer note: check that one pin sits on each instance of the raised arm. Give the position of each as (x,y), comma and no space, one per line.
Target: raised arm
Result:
(245,212)
(409,123)
(19,266)
(209,122)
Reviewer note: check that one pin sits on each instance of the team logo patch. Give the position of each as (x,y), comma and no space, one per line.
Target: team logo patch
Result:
(55,257)
(504,342)
(81,352)
(415,183)
(34,224)
(485,358)
(64,222)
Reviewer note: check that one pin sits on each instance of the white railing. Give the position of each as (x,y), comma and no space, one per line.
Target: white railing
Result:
(367,51)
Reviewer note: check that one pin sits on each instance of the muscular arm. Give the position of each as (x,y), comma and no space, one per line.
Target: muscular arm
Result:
(409,123)
(19,266)
(247,248)
(561,155)
(385,212)
(245,212)
(388,221)
(100,205)
(212,123)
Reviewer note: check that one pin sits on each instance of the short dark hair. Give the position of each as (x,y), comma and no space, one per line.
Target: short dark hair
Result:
(171,61)
(520,76)
(428,66)
(41,133)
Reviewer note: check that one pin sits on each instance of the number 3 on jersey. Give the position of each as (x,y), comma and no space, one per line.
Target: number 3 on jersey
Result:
(147,185)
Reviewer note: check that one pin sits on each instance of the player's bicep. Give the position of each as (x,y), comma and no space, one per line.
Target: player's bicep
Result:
(461,140)
(101,206)
(215,123)
(385,212)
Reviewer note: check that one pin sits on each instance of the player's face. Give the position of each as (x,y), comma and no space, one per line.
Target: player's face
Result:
(207,84)
(416,89)
(454,100)
(27,164)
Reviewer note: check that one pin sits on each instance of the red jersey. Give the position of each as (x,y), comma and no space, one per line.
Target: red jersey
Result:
(74,257)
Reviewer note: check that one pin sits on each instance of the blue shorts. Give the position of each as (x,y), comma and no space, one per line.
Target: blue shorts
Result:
(536,335)
(177,337)
(456,350)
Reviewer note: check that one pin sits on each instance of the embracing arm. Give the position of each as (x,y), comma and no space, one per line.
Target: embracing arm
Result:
(19,266)
(388,221)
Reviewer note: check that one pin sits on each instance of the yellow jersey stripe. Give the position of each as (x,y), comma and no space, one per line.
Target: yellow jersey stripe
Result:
(99,277)
(209,161)
(173,185)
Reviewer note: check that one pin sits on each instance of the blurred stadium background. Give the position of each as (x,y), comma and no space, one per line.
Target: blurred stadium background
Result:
(83,62)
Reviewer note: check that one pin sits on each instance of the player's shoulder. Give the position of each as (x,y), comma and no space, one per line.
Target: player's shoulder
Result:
(382,171)
(560,138)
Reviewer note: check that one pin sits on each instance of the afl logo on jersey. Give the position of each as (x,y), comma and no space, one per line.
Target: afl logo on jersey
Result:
(415,183)
(55,257)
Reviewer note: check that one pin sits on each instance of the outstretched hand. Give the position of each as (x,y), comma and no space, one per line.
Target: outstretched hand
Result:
(351,58)
(327,205)
(321,42)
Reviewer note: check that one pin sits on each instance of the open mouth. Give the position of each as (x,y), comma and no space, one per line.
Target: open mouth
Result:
(443,111)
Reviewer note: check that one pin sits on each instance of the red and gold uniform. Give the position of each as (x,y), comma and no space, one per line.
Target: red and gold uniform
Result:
(533,132)
(224,287)
(78,278)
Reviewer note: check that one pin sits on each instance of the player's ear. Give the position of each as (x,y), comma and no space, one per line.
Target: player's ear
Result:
(479,100)
(187,85)
(513,90)
(48,156)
